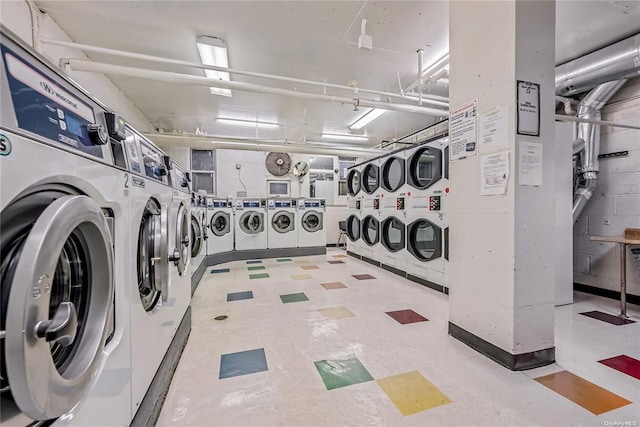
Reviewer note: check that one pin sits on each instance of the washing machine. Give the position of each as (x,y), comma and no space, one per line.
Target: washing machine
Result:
(199,234)
(65,304)
(354,204)
(179,231)
(426,211)
(156,309)
(220,223)
(249,220)
(310,223)
(281,220)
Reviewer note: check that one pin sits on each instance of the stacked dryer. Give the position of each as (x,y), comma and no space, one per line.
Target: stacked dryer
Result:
(392,214)
(354,205)
(220,223)
(281,220)
(370,211)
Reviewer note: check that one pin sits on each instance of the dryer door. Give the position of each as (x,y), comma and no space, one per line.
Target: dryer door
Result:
(220,224)
(252,222)
(353,182)
(424,240)
(393,234)
(183,250)
(370,232)
(312,221)
(57,295)
(370,178)
(197,236)
(282,222)
(424,167)
(393,174)
(353,228)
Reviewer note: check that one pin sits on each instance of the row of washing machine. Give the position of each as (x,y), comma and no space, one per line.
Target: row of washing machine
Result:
(95,251)
(398,212)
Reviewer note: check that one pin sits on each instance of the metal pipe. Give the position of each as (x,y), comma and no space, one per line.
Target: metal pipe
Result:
(578,146)
(166,76)
(157,59)
(618,61)
(574,119)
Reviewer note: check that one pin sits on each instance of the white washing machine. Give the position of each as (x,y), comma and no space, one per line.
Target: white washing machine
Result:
(199,234)
(220,223)
(179,237)
(310,223)
(65,349)
(156,309)
(281,220)
(354,202)
(249,219)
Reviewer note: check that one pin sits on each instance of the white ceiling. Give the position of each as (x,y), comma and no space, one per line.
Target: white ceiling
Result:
(313,40)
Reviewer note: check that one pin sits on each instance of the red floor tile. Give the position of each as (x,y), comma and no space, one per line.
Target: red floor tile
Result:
(609,318)
(625,364)
(363,276)
(406,316)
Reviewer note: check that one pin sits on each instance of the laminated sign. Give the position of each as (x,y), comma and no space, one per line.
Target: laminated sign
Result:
(463,131)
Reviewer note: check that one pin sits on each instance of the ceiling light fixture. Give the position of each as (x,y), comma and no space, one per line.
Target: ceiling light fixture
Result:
(367,118)
(341,137)
(248,123)
(213,51)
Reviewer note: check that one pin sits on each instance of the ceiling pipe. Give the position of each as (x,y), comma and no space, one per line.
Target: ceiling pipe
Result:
(574,119)
(170,77)
(435,100)
(618,61)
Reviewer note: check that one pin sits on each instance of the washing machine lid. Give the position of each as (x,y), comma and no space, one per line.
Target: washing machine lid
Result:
(55,329)
(252,222)
(424,240)
(392,234)
(220,223)
(353,182)
(424,167)
(283,221)
(370,178)
(393,173)
(182,253)
(312,221)
(353,228)
(370,230)
(197,235)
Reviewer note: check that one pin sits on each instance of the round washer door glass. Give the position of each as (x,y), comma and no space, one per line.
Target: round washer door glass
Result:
(182,239)
(353,182)
(196,235)
(370,227)
(312,221)
(393,172)
(220,224)
(150,262)
(424,167)
(251,222)
(353,228)
(282,222)
(65,254)
(370,178)
(393,234)
(424,240)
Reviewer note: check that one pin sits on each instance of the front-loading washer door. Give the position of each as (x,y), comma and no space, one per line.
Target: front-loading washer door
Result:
(393,234)
(57,295)
(252,222)
(220,224)
(153,256)
(353,228)
(424,240)
(370,228)
(183,249)
(283,222)
(312,221)
(197,236)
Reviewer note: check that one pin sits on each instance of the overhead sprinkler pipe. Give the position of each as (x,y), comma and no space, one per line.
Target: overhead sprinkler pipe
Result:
(170,77)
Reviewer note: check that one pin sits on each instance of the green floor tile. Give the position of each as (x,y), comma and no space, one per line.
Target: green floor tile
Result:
(259,276)
(258,267)
(284,259)
(342,372)
(294,297)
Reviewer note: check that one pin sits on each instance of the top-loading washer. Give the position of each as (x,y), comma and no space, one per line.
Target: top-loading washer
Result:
(310,223)
(249,219)
(281,220)
(354,203)
(65,349)
(220,223)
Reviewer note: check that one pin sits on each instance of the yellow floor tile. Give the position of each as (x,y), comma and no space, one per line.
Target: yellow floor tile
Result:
(412,393)
(336,313)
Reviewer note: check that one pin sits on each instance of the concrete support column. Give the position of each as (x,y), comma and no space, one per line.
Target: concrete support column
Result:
(501,246)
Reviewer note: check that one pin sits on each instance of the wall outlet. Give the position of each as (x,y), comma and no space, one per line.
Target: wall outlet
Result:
(238,166)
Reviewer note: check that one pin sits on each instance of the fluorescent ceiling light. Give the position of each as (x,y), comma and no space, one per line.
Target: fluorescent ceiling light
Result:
(340,137)
(213,51)
(367,118)
(248,123)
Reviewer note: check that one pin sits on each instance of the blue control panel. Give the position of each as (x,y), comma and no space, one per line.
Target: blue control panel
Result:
(153,167)
(220,204)
(251,203)
(283,203)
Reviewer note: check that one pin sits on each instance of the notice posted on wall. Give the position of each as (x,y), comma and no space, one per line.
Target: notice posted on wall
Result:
(463,131)
(494,129)
(494,174)
(530,163)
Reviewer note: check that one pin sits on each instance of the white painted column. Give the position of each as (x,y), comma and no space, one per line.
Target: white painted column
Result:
(502,268)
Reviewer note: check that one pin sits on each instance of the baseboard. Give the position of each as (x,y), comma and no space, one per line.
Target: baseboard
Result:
(607,293)
(428,284)
(394,270)
(335,245)
(150,407)
(353,254)
(197,275)
(370,261)
(514,362)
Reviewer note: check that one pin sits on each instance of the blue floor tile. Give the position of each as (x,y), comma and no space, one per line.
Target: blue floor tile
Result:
(237,296)
(243,363)
(220,270)
(254,262)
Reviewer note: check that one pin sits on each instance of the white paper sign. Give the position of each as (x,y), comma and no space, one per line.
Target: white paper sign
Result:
(528,119)
(494,129)
(530,163)
(494,173)
(463,131)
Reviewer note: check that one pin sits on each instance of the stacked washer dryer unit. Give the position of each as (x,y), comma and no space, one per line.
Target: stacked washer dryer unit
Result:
(65,303)
(426,207)
(221,229)
(370,212)
(393,183)
(249,219)
(199,234)
(310,224)
(354,204)
(281,220)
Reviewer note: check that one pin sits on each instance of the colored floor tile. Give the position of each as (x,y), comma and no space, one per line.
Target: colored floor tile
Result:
(609,318)
(243,363)
(284,260)
(257,267)
(412,393)
(363,276)
(332,285)
(309,267)
(259,276)
(406,316)
(338,373)
(237,296)
(301,277)
(293,298)
(625,364)
(220,270)
(335,262)
(256,261)
(334,313)
(339,256)
(590,396)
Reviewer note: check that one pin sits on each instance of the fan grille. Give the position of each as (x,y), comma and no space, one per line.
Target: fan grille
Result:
(278,164)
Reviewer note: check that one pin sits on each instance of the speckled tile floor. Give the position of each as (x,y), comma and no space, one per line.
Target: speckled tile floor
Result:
(335,357)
